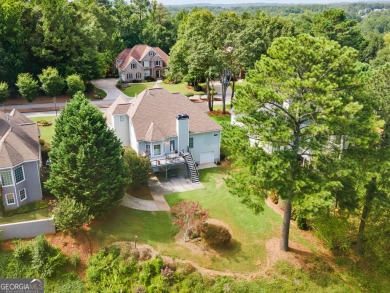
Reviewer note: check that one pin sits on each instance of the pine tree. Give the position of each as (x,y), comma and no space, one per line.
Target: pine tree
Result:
(301,95)
(86,162)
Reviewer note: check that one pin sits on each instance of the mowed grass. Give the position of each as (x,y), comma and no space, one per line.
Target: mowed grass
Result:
(176,88)
(137,88)
(250,232)
(47,132)
(221,119)
(34,215)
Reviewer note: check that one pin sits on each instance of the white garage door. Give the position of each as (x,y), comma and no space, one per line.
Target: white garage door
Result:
(207,157)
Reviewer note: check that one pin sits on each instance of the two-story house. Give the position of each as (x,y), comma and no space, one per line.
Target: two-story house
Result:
(167,127)
(141,61)
(20,160)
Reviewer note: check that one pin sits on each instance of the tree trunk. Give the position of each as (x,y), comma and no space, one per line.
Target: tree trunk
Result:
(286,225)
(209,95)
(368,199)
(224,98)
(232,96)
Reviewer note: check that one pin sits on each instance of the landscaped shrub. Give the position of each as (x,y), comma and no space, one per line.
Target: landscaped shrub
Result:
(197,88)
(189,94)
(109,271)
(47,260)
(215,235)
(302,223)
(150,269)
(70,215)
(138,167)
(150,78)
(89,87)
(44,122)
(199,93)
(36,259)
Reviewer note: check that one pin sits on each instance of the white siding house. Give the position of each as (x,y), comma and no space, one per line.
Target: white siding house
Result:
(162,125)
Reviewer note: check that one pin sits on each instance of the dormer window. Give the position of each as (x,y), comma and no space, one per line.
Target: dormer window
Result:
(133,65)
(151,53)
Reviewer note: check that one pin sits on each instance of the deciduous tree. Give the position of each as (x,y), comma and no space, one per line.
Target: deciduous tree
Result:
(4,92)
(187,216)
(74,84)
(28,86)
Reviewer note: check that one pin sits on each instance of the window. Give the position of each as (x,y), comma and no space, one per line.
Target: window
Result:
(122,118)
(147,73)
(10,198)
(129,76)
(19,176)
(191,143)
(146,64)
(158,63)
(138,75)
(22,194)
(151,53)
(157,150)
(133,66)
(147,150)
(172,146)
(6,178)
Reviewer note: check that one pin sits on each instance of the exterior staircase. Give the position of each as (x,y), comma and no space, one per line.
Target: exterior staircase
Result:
(191,167)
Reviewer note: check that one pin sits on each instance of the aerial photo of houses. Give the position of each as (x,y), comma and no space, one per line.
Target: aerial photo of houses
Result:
(157,146)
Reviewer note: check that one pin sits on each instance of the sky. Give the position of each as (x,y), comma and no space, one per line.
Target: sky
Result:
(182,2)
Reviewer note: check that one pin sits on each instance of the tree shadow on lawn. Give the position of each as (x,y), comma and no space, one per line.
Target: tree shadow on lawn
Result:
(124,224)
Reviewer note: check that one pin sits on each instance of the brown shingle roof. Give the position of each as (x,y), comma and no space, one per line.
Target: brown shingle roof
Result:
(154,112)
(137,52)
(18,139)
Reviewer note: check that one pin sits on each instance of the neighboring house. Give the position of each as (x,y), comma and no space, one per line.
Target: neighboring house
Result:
(20,160)
(167,127)
(141,61)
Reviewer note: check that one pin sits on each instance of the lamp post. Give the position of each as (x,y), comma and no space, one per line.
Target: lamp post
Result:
(55,104)
(135,241)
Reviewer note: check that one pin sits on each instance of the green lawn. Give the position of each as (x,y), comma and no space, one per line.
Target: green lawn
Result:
(47,132)
(137,88)
(34,215)
(221,119)
(250,231)
(176,88)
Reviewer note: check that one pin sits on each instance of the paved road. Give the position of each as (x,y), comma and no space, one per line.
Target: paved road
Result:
(109,86)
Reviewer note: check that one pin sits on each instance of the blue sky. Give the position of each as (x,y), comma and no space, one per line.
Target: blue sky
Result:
(181,2)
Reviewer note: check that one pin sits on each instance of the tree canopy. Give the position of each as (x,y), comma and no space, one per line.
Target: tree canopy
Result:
(299,96)
(86,160)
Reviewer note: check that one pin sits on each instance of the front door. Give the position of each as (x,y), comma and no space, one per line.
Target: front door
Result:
(158,73)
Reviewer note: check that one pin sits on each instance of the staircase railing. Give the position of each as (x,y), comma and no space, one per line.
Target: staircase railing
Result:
(192,158)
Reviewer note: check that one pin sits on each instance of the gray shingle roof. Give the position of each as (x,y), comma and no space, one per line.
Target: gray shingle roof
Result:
(19,140)
(154,111)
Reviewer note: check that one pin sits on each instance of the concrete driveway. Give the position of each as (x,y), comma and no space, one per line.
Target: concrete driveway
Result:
(109,86)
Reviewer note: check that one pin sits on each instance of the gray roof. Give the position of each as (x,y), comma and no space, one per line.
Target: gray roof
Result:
(153,113)
(19,139)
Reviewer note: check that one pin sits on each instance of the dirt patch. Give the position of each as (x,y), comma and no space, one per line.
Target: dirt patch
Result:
(296,255)
(79,245)
(219,113)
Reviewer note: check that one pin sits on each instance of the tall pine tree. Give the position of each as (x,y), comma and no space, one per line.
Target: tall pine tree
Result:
(304,93)
(86,162)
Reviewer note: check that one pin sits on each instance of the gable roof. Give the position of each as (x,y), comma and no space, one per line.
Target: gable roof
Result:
(153,114)
(19,139)
(137,53)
